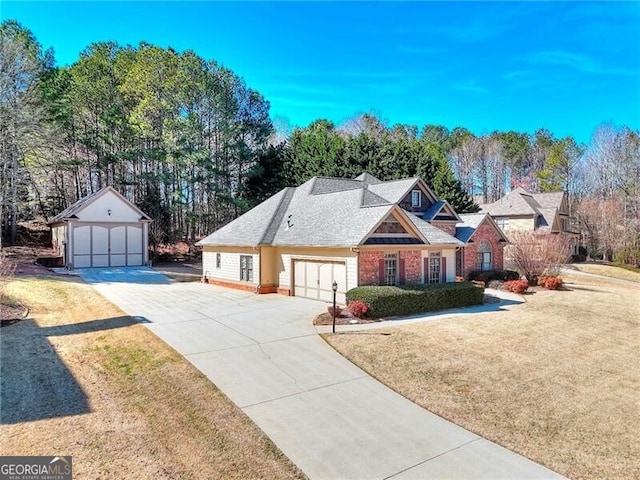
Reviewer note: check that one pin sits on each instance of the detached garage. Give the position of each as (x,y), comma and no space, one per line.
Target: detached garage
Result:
(103,229)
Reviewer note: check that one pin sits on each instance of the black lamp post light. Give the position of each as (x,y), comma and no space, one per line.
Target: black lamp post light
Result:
(334,287)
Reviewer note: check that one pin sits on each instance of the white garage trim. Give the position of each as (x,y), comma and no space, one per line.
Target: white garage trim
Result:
(314,279)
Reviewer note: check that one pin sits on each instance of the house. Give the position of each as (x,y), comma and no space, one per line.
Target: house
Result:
(524,211)
(521,210)
(355,232)
(103,229)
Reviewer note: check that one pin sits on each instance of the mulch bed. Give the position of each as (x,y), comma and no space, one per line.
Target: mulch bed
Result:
(12,313)
(343,319)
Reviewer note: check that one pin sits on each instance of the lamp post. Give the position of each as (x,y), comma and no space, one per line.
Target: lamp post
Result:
(334,287)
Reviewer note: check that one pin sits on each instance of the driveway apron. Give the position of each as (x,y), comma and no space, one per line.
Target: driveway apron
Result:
(328,416)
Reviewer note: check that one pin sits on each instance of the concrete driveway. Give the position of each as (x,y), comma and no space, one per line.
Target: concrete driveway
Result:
(328,416)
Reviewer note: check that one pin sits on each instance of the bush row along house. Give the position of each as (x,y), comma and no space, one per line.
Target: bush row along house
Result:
(353,232)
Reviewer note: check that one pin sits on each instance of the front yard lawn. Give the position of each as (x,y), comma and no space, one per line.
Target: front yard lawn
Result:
(555,379)
(608,271)
(81,378)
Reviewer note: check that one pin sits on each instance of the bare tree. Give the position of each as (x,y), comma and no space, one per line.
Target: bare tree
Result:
(534,254)
(603,225)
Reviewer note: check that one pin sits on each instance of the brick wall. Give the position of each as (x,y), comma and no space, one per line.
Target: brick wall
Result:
(369,266)
(412,267)
(484,232)
(446,227)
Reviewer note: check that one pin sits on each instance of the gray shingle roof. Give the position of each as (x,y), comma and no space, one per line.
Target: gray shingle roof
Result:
(520,202)
(323,212)
(393,191)
(368,178)
(470,222)
(433,234)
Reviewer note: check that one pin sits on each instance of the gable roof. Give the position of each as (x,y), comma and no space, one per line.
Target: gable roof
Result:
(436,208)
(72,210)
(326,211)
(519,202)
(470,223)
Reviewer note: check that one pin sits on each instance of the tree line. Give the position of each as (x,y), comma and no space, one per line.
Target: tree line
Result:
(189,142)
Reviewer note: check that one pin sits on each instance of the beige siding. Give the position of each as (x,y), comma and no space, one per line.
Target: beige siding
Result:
(229,263)
(287,255)
(269,271)
(520,224)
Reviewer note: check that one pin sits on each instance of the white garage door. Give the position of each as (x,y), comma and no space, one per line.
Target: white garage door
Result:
(313,279)
(107,246)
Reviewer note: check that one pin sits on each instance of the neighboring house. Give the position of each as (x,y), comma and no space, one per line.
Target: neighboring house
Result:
(355,232)
(521,210)
(525,211)
(103,229)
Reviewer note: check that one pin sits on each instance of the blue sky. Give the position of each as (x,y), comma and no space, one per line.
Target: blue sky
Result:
(485,66)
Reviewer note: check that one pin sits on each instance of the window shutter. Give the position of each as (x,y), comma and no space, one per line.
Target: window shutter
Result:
(402,273)
(444,269)
(426,270)
(381,279)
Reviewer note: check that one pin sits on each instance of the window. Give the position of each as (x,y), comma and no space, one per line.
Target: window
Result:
(218,260)
(434,267)
(484,256)
(390,268)
(503,223)
(246,268)
(415,198)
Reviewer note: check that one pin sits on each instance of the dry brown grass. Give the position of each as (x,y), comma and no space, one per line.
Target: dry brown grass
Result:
(608,271)
(80,378)
(555,379)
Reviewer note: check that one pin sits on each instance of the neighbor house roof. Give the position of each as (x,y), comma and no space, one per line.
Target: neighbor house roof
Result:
(326,211)
(519,202)
(71,211)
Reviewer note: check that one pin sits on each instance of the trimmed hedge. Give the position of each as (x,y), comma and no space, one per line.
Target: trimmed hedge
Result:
(409,299)
(488,275)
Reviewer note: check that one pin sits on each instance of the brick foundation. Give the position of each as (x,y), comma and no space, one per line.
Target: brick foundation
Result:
(247,287)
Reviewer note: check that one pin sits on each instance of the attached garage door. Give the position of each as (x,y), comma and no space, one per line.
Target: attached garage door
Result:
(107,246)
(313,279)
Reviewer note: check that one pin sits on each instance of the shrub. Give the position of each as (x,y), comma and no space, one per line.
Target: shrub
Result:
(357,308)
(330,310)
(628,256)
(488,275)
(409,299)
(516,286)
(552,283)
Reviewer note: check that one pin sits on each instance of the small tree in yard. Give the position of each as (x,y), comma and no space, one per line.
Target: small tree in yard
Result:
(536,253)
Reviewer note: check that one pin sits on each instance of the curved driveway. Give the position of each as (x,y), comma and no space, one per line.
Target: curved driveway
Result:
(328,416)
